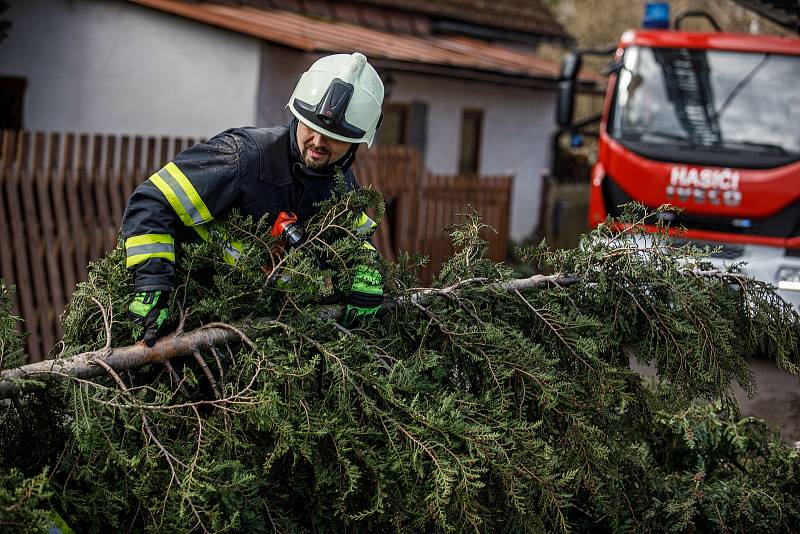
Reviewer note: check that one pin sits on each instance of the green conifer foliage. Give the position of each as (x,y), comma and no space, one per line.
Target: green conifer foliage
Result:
(23,499)
(10,339)
(484,403)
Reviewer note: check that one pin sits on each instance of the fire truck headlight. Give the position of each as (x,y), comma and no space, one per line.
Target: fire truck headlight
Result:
(789,278)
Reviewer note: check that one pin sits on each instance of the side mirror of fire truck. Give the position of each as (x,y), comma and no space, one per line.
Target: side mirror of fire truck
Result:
(565,107)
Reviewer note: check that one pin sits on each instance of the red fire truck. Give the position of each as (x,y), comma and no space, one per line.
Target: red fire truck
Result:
(710,123)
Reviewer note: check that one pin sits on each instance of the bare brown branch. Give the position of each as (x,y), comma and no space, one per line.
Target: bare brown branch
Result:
(85,365)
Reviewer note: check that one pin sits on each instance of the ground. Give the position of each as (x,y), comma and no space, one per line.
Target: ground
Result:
(777,401)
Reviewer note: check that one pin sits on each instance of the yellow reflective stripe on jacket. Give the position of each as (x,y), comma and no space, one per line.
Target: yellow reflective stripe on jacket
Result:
(203,233)
(231,249)
(181,195)
(365,226)
(190,191)
(141,248)
(367,245)
(148,239)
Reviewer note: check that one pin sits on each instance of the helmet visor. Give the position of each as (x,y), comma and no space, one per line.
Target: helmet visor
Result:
(329,113)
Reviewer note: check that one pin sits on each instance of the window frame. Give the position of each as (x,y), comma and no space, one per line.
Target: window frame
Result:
(19,86)
(405,124)
(473,116)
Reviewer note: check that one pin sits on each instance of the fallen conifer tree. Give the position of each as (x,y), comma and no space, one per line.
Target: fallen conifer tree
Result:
(491,401)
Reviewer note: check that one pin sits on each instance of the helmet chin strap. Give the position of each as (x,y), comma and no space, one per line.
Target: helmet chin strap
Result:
(348,157)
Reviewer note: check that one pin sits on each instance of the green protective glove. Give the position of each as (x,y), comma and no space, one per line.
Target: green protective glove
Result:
(149,309)
(366,295)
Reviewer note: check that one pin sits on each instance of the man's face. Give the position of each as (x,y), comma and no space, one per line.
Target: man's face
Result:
(316,149)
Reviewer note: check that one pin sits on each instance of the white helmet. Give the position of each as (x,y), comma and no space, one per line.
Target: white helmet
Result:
(340,96)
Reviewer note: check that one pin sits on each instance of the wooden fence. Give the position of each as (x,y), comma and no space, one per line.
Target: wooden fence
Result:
(446,199)
(420,205)
(62,198)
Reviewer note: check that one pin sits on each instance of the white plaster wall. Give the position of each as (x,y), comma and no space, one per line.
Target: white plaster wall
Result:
(112,66)
(517,124)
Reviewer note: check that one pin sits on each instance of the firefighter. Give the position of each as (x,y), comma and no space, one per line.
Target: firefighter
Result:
(262,172)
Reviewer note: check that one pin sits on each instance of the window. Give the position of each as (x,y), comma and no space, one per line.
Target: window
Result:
(404,124)
(471,126)
(394,128)
(12,93)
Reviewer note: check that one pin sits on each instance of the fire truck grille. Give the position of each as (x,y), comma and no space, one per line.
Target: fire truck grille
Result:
(727,251)
(784,223)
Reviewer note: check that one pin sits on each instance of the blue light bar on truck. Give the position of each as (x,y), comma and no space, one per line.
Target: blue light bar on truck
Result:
(656,16)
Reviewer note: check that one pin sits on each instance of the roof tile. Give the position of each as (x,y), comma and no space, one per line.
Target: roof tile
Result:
(317,35)
(529,16)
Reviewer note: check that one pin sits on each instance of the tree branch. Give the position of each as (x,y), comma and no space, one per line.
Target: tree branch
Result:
(213,335)
(85,365)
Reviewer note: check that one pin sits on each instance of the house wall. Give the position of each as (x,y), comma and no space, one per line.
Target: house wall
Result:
(281,67)
(517,124)
(112,66)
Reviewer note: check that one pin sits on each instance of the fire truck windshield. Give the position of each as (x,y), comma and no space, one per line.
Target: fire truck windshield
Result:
(708,106)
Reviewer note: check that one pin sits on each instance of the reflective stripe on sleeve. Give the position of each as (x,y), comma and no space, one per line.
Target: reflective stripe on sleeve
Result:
(203,233)
(231,249)
(182,195)
(141,248)
(365,226)
(231,253)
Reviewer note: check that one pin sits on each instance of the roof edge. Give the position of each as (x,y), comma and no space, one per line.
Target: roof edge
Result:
(477,75)
(512,67)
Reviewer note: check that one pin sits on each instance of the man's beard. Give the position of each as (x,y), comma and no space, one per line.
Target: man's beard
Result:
(316,163)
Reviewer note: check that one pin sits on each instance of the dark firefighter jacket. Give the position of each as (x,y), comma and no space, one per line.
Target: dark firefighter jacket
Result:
(257,170)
